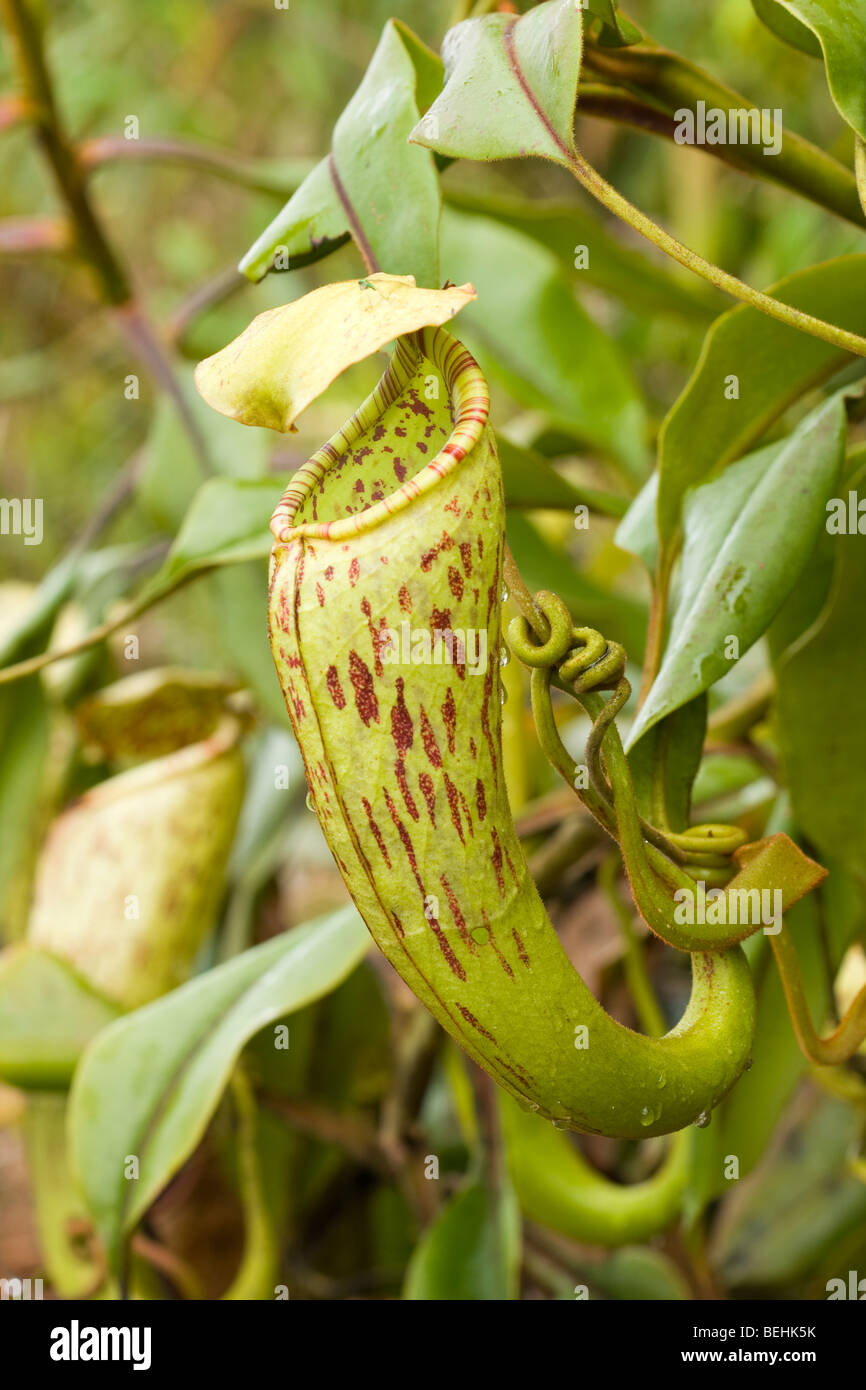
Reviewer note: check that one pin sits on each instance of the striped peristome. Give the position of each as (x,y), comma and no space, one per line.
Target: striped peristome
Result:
(400,518)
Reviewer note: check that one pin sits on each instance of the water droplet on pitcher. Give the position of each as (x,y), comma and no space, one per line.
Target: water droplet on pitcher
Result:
(503,694)
(661,1080)
(504,656)
(504,595)
(311,805)
(559,1124)
(749,1064)
(646,1116)
(703,1119)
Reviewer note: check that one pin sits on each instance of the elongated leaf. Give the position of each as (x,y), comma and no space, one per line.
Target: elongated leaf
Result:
(530,481)
(785,25)
(638,532)
(616,32)
(642,283)
(471,1252)
(47,1016)
(748,534)
(822,733)
(774,365)
(529,329)
(148,1085)
(839,30)
(373,185)
(171,472)
(25,732)
(510,86)
(288,356)
(227,523)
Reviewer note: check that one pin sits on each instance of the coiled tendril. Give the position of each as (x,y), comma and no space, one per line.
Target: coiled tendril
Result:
(582,662)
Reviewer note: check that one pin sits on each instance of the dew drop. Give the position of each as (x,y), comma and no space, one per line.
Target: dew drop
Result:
(311,805)
(504,656)
(559,1124)
(504,594)
(749,1064)
(661,1080)
(503,694)
(646,1116)
(703,1119)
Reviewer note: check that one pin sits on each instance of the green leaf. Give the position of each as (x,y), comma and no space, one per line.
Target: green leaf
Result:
(642,283)
(236,596)
(510,86)
(288,356)
(471,1252)
(149,1084)
(528,328)
(25,740)
(785,25)
(748,535)
(531,482)
(226,524)
(48,1014)
(171,472)
(822,733)
(798,1206)
(774,365)
(616,32)
(638,531)
(373,185)
(839,30)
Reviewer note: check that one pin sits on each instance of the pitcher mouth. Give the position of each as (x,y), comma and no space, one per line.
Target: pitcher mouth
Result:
(470,406)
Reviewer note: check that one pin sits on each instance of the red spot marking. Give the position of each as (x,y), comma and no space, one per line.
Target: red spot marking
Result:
(466,557)
(499,956)
(365,694)
(473,748)
(375,637)
(496,860)
(449,717)
(452,506)
(457,914)
(320,595)
(471,1019)
(378,432)
(466,814)
(405,599)
(354,571)
(377,834)
(329,572)
(480,798)
(425,782)
(455,808)
(400,470)
(455,581)
(402,729)
(335,690)
(431,747)
(485,717)
(400,774)
(521,949)
(512,868)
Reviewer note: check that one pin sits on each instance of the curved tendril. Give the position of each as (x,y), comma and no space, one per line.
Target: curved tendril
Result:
(583,662)
(844,1041)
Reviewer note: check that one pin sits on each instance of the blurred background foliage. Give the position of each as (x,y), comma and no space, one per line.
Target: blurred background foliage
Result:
(344,1129)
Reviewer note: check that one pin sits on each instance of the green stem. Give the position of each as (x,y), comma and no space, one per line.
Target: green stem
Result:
(649,1013)
(844,1041)
(668,83)
(615,202)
